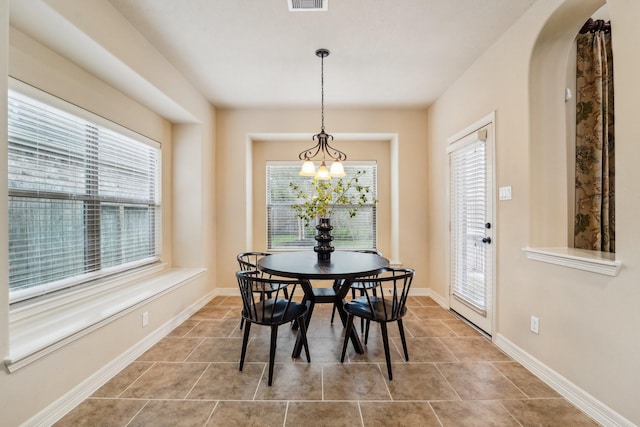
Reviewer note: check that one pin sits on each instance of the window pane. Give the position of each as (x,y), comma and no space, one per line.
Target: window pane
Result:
(285,231)
(46,240)
(83,199)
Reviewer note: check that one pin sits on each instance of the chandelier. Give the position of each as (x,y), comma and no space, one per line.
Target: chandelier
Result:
(322,147)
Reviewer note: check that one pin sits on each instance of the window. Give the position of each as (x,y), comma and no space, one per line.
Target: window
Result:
(83,197)
(285,231)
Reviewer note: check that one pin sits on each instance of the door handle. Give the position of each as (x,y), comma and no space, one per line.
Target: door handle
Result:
(486,240)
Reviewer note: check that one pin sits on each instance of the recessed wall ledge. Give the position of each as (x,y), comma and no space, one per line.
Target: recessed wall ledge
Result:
(581,259)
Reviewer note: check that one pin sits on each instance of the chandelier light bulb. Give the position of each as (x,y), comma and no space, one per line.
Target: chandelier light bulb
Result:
(337,169)
(308,169)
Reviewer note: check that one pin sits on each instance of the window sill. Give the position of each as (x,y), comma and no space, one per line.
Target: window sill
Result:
(38,329)
(593,261)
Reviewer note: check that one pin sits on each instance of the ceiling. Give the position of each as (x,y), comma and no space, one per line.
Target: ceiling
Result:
(384,53)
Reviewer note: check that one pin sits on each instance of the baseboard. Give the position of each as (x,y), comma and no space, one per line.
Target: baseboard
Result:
(62,406)
(424,292)
(574,394)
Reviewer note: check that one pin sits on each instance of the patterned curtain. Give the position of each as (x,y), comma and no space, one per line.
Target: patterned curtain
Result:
(594,227)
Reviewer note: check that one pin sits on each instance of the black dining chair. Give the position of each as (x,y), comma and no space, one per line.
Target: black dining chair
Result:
(248,261)
(358,285)
(272,311)
(388,304)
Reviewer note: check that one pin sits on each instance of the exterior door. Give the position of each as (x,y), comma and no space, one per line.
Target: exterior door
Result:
(472,253)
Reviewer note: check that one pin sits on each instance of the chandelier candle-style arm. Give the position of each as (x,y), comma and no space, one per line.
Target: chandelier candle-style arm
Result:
(324,147)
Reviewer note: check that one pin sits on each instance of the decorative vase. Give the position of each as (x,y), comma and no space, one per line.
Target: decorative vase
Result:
(324,248)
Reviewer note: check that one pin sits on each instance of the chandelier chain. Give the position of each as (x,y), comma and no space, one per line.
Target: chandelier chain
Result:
(322,89)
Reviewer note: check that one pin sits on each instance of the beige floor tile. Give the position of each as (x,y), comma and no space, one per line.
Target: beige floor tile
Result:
(324,350)
(214,328)
(173,413)
(217,350)
(547,412)
(531,385)
(170,350)
(235,301)
(400,414)
(248,414)
(434,312)
(116,385)
(374,352)
(166,381)
(461,328)
(223,381)
(183,329)
(454,376)
(474,349)
(258,350)
(429,328)
(418,381)
(479,413)
(297,381)
(209,312)
(102,412)
(355,381)
(479,380)
(325,414)
(427,350)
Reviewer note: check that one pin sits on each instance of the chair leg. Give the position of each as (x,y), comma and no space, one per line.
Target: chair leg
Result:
(241,322)
(272,351)
(404,341)
(302,329)
(385,341)
(366,332)
(245,340)
(347,333)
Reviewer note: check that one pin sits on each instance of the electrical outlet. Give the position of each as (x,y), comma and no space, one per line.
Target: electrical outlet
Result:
(535,324)
(145,319)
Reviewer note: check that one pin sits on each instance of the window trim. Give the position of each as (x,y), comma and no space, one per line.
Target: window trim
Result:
(580,259)
(40,326)
(394,149)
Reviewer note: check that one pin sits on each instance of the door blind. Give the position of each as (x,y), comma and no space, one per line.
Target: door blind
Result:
(468,219)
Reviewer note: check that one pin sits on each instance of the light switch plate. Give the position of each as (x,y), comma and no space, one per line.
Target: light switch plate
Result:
(505,193)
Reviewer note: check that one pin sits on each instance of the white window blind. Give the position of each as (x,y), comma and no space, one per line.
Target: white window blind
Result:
(468,219)
(285,231)
(83,199)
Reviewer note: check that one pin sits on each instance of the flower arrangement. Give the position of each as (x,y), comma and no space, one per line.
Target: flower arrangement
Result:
(327,194)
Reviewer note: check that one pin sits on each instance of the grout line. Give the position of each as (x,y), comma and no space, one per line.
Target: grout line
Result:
(138,412)
(211,413)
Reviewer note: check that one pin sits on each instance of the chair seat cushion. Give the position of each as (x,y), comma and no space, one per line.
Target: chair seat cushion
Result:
(275,312)
(382,309)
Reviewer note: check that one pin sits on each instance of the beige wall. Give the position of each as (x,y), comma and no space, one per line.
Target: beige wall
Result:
(188,153)
(588,322)
(233,130)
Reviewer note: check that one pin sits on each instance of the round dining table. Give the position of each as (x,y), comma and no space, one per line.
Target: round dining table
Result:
(342,269)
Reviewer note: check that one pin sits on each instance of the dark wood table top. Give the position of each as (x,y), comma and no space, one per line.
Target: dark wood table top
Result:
(304,264)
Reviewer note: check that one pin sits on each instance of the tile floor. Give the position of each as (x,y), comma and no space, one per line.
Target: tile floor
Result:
(455,377)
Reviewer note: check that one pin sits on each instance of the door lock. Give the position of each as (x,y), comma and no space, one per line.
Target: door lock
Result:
(486,240)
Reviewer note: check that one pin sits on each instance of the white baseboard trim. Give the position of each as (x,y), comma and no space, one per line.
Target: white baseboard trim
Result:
(415,292)
(62,406)
(574,394)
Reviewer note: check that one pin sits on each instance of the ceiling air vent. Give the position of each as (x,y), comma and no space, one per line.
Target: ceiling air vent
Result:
(308,5)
